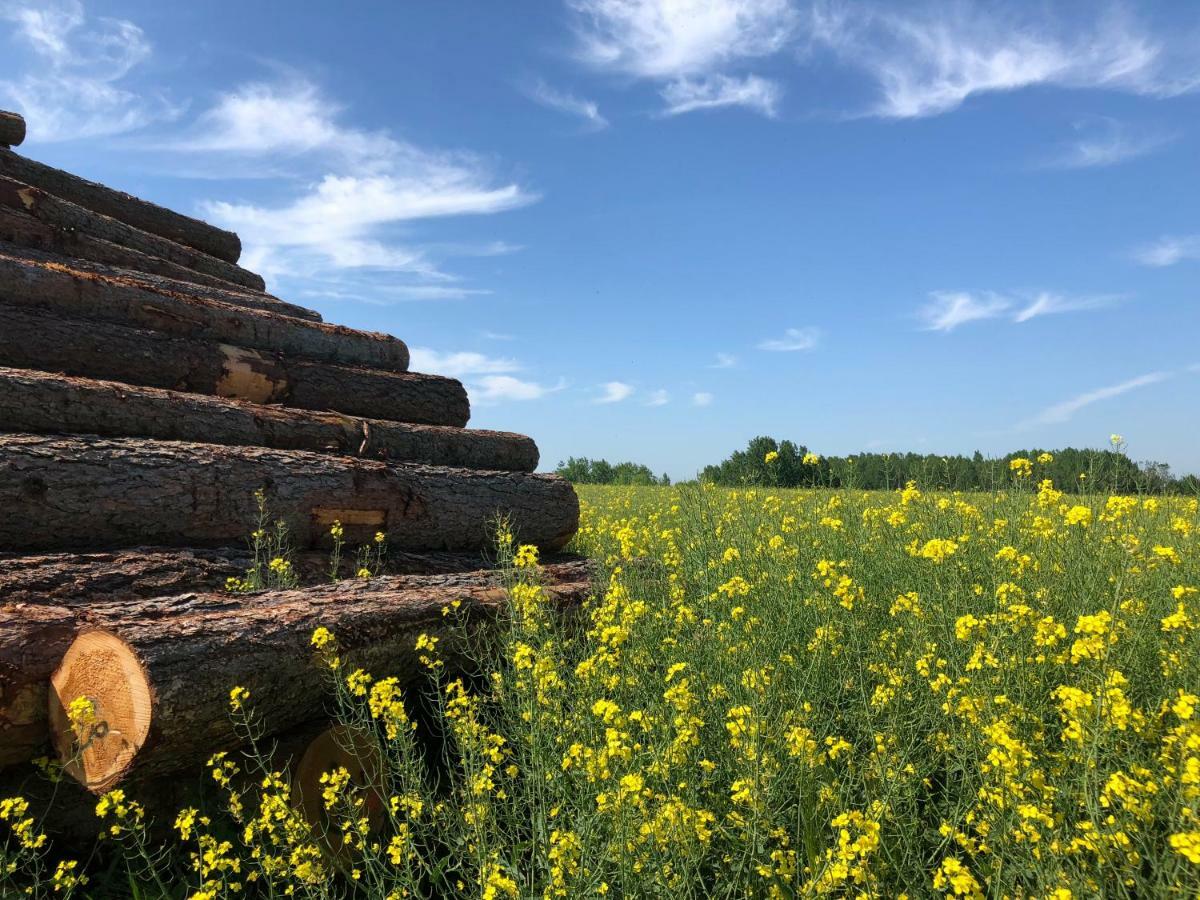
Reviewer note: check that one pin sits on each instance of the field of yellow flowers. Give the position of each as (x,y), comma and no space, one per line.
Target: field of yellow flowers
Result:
(783,694)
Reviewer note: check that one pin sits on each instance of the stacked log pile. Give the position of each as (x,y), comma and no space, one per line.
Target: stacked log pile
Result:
(149,387)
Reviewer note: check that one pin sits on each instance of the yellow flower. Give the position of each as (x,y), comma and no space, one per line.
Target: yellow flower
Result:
(771,457)
(237,698)
(1187,845)
(1021,467)
(322,638)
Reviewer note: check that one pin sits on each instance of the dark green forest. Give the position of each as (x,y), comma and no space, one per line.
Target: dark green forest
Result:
(770,462)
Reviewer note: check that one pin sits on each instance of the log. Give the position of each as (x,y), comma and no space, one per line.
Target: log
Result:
(52,404)
(61,493)
(12,129)
(159,676)
(126,208)
(68,287)
(64,214)
(35,339)
(24,230)
(46,600)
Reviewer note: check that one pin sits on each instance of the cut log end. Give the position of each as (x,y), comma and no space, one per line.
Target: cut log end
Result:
(98,746)
(12,129)
(340,747)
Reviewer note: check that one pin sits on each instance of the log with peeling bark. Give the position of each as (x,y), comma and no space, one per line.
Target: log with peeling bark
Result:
(36,339)
(32,279)
(12,129)
(63,214)
(40,403)
(24,230)
(73,492)
(159,677)
(124,207)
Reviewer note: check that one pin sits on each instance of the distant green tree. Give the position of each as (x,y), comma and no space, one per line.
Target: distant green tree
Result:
(581,470)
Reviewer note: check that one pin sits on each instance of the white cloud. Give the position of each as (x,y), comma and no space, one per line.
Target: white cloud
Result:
(724,361)
(614,392)
(1046,303)
(73,91)
(458,364)
(658,398)
(1061,412)
(497,388)
(715,91)
(563,101)
(702,398)
(343,219)
(929,59)
(949,309)
(1105,142)
(793,339)
(1169,250)
(688,46)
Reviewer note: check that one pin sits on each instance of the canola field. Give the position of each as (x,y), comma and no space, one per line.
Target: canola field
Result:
(774,694)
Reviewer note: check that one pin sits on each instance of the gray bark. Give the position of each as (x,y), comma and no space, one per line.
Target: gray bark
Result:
(64,214)
(35,339)
(131,210)
(56,404)
(89,290)
(64,493)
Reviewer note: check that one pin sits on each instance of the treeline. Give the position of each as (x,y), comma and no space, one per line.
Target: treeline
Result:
(581,470)
(766,461)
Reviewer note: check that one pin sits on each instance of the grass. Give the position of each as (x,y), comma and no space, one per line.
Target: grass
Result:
(773,694)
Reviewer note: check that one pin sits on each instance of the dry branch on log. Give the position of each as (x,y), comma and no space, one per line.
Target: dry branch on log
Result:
(43,281)
(67,492)
(52,404)
(64,214)
(159,674)
(139,213)
(12,129)
(35,339)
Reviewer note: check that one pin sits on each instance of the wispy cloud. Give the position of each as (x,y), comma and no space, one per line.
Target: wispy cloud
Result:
(1103,141)
(366,183)
(947,310)
(702,398)
(724,361)
(460,363)
(715,91)
(492,389)
(658,398)
(614,392)
(1061,412)
(928,59)
(794,339)
(563,101)
(1169,250)
(688,47)
(74,88)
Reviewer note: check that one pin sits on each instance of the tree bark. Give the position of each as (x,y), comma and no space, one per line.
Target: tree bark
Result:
(139,213)
(35,339)
(159,672)
(53,404)
(12,129)
(104,590)
(24,230)
(64,214)
(78,492)
(38,280)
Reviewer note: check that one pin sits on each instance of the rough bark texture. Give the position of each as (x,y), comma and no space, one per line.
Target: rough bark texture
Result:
(64,214)
(53,404)
(131,210)
(36,339)
(12,129)
(48,600)
(69,492)
(43,281)
(24,230)
(192,649)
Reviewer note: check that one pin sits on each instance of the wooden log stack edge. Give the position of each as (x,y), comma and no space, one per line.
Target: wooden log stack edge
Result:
(12,129)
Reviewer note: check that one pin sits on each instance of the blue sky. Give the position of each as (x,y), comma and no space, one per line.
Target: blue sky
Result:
(652,229)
